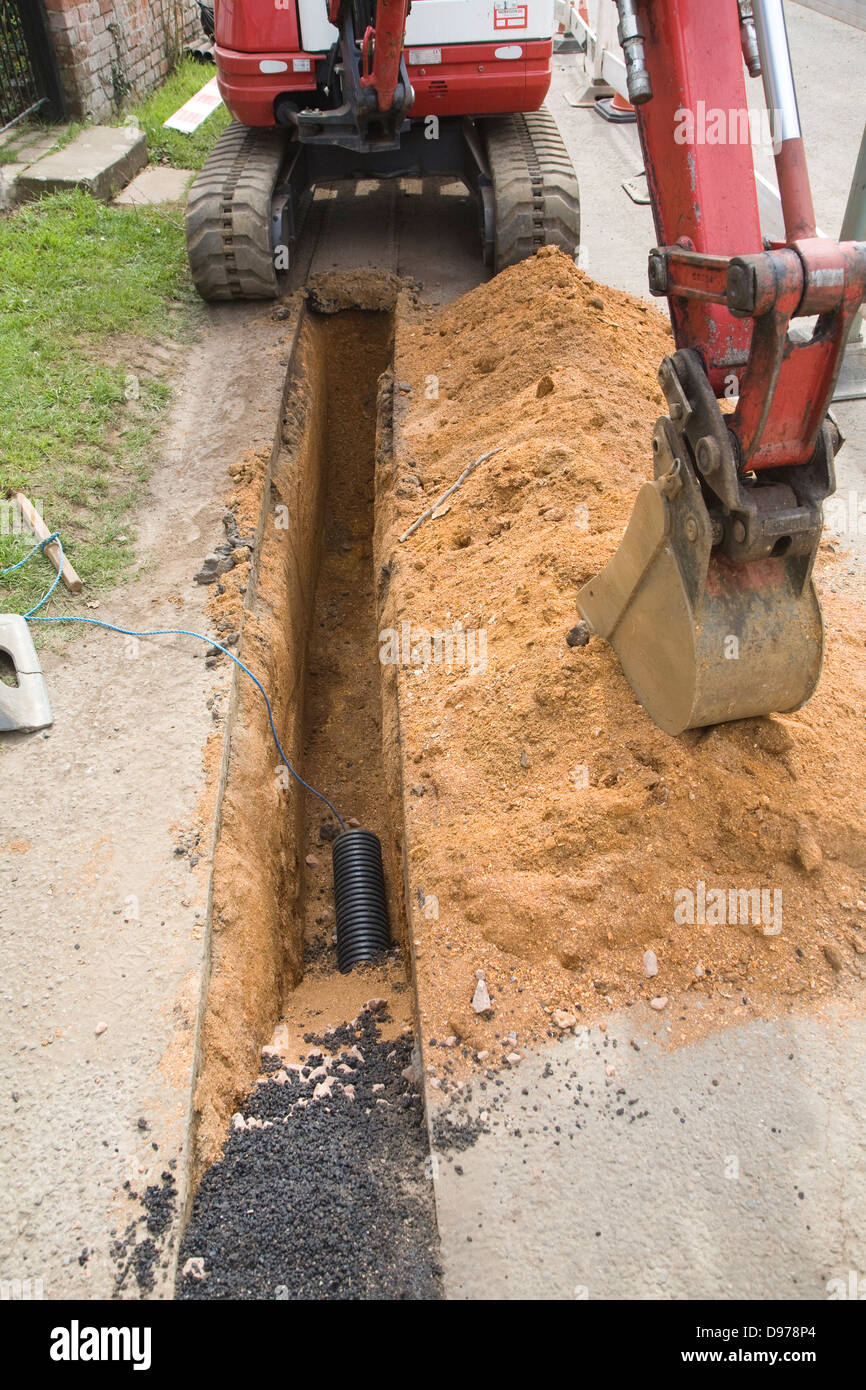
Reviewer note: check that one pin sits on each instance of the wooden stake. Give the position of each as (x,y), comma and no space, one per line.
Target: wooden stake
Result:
(41,532)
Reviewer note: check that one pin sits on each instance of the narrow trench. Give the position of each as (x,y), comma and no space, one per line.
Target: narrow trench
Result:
(323,1188)
(343,706)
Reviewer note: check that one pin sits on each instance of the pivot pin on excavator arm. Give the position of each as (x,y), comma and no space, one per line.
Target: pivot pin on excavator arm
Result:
(377,93)
(709,601)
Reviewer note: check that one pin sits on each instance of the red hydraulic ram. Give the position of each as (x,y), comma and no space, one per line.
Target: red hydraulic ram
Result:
(387,40)
(732,300)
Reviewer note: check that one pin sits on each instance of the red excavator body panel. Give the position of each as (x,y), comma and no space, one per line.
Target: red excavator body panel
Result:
(260,57)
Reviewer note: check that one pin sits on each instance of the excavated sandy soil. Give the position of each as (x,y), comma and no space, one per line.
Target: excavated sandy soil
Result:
(309,635)
(551,826)
(536,825)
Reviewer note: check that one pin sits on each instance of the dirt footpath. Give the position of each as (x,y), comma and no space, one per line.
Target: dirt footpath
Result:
(104,888)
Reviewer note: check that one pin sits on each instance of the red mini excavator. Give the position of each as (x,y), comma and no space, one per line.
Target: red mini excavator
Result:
(709,600)
(324,90)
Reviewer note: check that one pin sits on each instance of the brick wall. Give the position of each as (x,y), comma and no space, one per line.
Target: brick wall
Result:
(108,50)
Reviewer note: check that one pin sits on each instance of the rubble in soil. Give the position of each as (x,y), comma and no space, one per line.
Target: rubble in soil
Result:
(552,828)
(363,287)
(228,566)
(323,1190)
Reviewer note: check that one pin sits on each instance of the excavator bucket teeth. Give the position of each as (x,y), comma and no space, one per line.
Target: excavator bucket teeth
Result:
(702,639)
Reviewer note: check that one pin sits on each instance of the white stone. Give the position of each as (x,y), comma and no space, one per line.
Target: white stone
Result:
(481,1001)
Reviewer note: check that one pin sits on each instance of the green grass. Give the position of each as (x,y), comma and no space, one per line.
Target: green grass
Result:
(170,146)
(77,421)
(81,285)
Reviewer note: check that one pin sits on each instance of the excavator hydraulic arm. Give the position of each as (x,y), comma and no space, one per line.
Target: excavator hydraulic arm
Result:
(386,37)
(377,93)
(709,601)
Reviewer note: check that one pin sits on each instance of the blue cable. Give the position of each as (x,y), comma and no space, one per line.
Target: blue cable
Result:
(40,545)
(164,632)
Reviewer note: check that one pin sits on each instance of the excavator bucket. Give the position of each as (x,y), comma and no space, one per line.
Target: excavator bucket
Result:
(702,638)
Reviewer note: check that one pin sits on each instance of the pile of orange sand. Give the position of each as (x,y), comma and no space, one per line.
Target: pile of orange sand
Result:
(554,833)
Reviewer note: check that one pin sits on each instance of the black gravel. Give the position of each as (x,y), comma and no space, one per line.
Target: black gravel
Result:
(138,1256)
(333,1200)
(457,1132)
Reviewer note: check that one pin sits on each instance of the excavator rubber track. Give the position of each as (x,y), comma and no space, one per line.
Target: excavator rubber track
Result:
(229,214)
(536,197)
